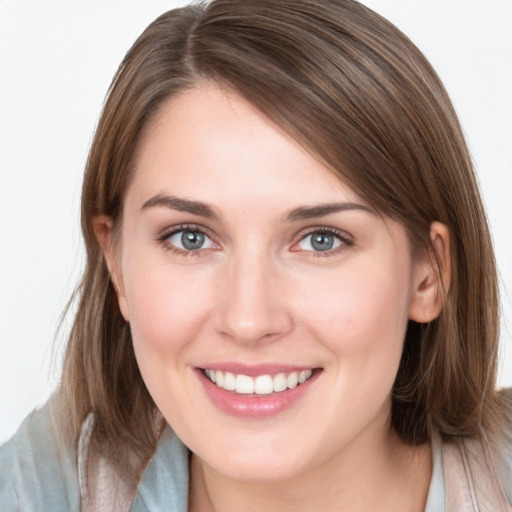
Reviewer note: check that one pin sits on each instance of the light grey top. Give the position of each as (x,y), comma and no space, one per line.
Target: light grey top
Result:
(37,473)
(435,498)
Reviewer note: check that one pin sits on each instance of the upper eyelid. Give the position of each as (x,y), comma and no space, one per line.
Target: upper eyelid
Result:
(172,230)
(344,235)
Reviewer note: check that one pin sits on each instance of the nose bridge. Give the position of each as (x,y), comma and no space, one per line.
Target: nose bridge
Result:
(250,308)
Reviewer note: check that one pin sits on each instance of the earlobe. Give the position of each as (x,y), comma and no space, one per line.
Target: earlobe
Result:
(431,276)
(103,227)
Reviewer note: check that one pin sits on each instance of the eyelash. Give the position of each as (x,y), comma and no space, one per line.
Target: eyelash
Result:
(344,238)
(163,239)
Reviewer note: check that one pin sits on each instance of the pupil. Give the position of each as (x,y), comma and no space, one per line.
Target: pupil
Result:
(322,242)
(192,240)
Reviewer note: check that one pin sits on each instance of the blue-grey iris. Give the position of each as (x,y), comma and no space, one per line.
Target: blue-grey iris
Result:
(322,241)
(192,240)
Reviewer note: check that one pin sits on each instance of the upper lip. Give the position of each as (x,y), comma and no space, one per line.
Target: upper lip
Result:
(256,369)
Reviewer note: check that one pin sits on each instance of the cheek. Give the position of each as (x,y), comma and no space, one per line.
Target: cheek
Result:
(167,313)
(164,312)
(361,316)
(354,302)
(167,304)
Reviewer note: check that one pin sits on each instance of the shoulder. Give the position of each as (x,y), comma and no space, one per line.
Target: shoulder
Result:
(161,483)
(37,470)
(164,484)
(475,470)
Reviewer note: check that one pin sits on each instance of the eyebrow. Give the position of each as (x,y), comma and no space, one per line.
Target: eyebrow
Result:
(182,205)
(321,210)
(206,210)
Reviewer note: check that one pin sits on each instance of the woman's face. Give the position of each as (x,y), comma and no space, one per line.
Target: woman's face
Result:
(243,259)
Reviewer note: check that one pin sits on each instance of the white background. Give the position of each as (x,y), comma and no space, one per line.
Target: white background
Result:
(56,61)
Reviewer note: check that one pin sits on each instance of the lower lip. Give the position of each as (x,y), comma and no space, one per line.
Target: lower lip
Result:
(254,406)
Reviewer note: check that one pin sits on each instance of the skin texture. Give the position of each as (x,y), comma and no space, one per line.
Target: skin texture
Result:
(256,293)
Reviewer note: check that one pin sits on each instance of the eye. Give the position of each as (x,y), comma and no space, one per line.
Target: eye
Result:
(321,241)
(190,240)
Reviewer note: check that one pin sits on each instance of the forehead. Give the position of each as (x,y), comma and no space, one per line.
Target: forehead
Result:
(212,144)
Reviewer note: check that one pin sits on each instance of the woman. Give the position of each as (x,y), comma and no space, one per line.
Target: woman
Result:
(290,297)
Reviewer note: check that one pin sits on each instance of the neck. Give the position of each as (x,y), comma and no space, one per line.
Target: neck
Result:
(386,475)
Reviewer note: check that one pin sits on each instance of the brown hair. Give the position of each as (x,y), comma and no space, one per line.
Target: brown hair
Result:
(359,96)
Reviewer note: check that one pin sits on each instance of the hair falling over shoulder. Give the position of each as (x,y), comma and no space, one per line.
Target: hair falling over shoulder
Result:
(360,97)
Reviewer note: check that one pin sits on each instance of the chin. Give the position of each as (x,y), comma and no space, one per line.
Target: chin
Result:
(258,471)
(264,462)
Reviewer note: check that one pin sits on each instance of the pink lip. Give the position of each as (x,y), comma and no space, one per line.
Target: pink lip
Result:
(253,406)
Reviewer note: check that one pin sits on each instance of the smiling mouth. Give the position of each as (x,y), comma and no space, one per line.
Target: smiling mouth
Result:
(260,385)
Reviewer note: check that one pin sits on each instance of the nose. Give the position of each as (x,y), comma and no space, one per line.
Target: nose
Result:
(251,308)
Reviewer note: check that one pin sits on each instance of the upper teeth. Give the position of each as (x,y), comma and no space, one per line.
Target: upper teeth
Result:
(261,385)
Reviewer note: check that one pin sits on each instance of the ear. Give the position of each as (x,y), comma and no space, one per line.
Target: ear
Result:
(103,225)
(431,277)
